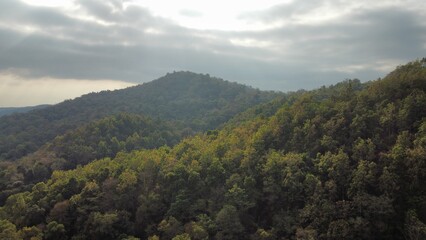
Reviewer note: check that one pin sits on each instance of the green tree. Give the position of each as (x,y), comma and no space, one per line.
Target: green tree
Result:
(55,230)
(228,223)
(414,228)
(170,227)
(8,231)
(31,233)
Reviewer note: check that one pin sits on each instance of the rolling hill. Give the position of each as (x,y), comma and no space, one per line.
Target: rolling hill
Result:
(194,102)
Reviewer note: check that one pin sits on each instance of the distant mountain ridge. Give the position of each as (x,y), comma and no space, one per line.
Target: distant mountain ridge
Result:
(11,110)
(195,102)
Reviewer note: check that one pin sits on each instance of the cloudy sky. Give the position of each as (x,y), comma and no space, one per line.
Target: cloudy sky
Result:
(52,50)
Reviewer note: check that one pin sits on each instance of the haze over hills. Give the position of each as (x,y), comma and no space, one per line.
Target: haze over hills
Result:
(11,110)
(340,162)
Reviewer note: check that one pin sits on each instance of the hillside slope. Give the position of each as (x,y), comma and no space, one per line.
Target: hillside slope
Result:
(346,164)
(193,101)
(98,139)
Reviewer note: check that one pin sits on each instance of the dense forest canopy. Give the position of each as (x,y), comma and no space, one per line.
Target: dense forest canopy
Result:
(99,139)
(341,162)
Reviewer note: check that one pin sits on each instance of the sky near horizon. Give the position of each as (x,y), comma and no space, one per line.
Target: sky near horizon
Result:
(54,50)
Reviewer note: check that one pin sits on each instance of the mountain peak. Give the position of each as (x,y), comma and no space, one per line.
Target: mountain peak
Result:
(194,101)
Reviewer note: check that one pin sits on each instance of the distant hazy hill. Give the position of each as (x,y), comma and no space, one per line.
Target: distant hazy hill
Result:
(192,101)
(10,110)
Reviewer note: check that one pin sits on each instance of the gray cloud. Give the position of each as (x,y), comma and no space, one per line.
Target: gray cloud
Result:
(13,12)
(130,44)
(368,37)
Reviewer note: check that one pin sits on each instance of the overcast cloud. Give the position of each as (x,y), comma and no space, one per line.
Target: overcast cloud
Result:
(284,46)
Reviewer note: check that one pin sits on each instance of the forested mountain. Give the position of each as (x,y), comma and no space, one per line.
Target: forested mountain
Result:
(343,162)
(192,101)
(11,110)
